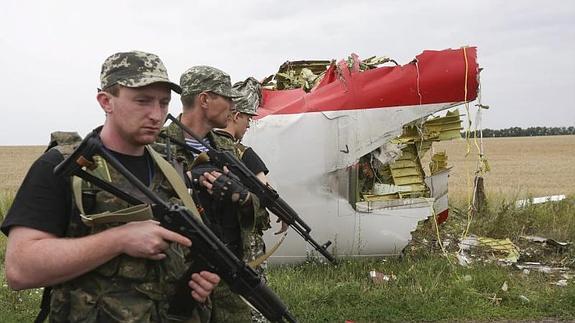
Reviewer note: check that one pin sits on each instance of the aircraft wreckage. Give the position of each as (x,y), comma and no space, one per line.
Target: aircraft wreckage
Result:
(344,142)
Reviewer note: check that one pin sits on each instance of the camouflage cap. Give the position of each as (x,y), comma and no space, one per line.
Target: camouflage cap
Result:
(135,69)
(198,79)
(251,97)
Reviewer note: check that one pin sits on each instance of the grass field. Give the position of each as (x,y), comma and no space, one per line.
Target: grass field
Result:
(14,163)
(429,284)
(520,167)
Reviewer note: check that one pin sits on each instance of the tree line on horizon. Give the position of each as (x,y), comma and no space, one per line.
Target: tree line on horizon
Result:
(527,132)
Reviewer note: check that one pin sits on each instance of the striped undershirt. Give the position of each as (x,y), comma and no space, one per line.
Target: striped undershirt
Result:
(197,145)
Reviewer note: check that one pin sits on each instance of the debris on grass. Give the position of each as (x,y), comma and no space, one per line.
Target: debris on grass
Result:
(486,248)
(379,278)
(494,299)
(463,259)
(530,265)
(546,241)
(539,242)
(539,200)
(505,287)
(560,283)
(524,299)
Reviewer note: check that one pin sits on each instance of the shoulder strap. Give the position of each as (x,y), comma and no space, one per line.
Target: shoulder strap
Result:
(137,212)
(259,260)
(44,305)
(240,150)
(101,171)
(65,143)
(176,182)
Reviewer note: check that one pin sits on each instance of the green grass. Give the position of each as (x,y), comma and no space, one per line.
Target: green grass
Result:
(432,286)
(429,284)
(553,220)
(550,220)
(428,289)
(6,198)
(21,306)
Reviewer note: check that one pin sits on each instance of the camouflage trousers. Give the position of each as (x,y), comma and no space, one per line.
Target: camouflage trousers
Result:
(258,248)
(229,307)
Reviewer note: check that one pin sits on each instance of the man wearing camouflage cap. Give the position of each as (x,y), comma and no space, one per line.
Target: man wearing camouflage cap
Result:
(207,99)
(245,108)
(122,270)
(230,137)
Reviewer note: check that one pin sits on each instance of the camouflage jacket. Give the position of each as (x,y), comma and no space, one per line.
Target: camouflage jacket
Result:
(248,217)
(228,142)
(125,289)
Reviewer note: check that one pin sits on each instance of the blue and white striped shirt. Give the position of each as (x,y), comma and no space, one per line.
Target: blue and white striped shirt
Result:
(197,145)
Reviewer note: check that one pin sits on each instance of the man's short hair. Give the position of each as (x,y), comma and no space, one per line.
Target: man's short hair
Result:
(114,90)
(188,100)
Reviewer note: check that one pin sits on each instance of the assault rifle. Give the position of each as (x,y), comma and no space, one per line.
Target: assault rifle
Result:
(241,278)
(266,194)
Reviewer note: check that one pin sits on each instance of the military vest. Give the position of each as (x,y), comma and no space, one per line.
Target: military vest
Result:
(124,289)
(247,218)
(225,141)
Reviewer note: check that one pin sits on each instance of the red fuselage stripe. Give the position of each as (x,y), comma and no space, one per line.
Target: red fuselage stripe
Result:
(434,77)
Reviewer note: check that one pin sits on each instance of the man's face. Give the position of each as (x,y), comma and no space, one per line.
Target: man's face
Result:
(242,124)
(138,114)
(219,110)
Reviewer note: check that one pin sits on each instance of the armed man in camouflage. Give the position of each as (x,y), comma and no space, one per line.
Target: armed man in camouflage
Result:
(230,137)
(207,99)
(101,266)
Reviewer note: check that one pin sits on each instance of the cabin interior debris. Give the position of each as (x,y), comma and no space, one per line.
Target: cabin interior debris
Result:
(306,74)
(395,171)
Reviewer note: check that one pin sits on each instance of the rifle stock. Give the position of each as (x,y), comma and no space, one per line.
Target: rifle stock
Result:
(241,278)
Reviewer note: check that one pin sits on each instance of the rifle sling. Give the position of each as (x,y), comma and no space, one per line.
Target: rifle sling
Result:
(259,260)
(176,182)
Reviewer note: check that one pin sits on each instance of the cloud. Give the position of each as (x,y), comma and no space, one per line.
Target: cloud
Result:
(52,51)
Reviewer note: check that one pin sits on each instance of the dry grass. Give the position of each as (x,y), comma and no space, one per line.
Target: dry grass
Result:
(14,164)
(520,166)
(428,288)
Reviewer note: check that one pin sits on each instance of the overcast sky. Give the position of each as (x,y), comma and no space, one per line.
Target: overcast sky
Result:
(51,51)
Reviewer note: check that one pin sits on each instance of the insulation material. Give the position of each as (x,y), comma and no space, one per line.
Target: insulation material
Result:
(438,162)
(404,175)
